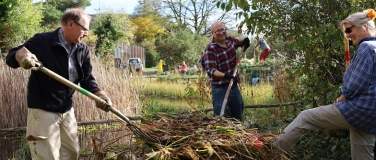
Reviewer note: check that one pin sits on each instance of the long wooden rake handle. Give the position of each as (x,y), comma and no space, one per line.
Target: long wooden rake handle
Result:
(231,83)
(137,131)
(79,89)
(347,51)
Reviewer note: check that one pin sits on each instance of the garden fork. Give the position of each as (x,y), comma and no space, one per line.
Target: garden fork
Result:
(231,83)
(137,131)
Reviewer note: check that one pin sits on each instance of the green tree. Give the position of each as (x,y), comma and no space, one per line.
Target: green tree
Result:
(109,27)
(180,45)
(108,32)
(6,7)
(197,15)
(151,58)
(147,29)
(148,8)
(91,41)
(309,28)
(123,23)
(54,9)
(150,23)
(18,22)
(126,26)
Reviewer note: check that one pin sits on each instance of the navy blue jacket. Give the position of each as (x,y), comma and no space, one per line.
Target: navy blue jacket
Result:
(202,62)
(43,91)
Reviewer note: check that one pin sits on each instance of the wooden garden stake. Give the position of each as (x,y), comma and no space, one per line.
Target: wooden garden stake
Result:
(347,51)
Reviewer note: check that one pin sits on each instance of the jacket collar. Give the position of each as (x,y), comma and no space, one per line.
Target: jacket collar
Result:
(56,41)
(372,38)
(213,41)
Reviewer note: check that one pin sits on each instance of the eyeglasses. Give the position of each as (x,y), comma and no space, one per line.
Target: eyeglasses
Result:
(348,30)
(220,30)
(83,28)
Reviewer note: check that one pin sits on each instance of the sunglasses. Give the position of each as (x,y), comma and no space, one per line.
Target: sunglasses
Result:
(83,28)
(348,30)
(222,30)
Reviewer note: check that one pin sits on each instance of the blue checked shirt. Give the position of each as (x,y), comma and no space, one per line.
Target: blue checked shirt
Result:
(359,88)
(72,60)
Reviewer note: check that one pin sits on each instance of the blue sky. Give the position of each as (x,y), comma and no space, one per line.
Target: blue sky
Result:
(114,5)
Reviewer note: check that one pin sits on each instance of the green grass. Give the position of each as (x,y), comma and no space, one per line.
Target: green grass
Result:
(24,152)
(167,94)
(150,69)
(168,75)
(260,94)
(163,89)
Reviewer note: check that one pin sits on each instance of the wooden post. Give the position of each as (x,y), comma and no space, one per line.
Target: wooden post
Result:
(347,51)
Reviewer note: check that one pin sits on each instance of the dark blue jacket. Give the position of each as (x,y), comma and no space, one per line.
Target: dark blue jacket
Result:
(202,62)
(43,91)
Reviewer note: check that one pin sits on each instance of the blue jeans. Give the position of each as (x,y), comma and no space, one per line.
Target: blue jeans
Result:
(235,104)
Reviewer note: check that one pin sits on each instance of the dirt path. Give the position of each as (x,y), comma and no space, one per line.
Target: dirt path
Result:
(148,73)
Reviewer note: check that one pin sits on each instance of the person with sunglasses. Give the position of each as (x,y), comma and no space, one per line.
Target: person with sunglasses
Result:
(220,61)
(355,108)
(51,124)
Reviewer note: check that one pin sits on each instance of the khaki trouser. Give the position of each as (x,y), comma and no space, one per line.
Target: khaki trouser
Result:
(52,136)
(329,118)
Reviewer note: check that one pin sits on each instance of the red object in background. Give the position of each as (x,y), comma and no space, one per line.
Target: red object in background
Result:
(30,138)
(264,54)
(347,51)
(183,67)
(257,143)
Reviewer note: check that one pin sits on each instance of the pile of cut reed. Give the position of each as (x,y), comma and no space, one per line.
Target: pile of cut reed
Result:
(198,136)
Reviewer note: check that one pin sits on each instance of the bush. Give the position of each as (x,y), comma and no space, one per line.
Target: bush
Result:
(324,145)
(151,58)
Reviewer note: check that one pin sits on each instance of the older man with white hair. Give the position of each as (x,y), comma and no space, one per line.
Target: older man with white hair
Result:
(220,62)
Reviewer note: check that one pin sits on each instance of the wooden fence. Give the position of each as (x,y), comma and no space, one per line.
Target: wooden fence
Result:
(124,51)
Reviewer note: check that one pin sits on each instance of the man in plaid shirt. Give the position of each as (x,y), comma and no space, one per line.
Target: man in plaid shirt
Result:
(220,61)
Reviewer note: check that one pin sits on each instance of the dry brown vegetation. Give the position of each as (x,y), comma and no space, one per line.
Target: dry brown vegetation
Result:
(197,136)
(13,88)
(281,88)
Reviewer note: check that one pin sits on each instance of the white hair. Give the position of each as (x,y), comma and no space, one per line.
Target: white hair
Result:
(359,19)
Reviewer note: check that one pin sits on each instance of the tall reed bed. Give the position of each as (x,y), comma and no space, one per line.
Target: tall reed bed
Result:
(13,92)
(124,93)
(265,93)
(164,89)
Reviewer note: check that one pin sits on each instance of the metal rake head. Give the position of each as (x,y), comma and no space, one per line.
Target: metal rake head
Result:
(138,132)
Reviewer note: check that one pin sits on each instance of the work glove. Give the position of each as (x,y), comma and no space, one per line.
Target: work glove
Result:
(103,106)
(246,43)
(229,76)
(25,58)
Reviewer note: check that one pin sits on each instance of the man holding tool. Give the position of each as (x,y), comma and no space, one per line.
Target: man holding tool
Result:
(51,124)
(220,64)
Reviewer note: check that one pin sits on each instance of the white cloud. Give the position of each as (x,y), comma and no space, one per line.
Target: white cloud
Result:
(114,5)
